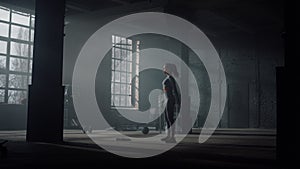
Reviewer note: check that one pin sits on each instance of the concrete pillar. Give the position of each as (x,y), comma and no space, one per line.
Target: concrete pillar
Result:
(185,98)
(46,94)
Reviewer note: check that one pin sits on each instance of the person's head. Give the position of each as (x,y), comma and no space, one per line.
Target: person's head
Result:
(170,69)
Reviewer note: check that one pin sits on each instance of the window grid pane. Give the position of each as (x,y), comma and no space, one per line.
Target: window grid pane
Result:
(2,62)
(18,64)
(2,80)
(2,95)
(3,47)
(4,28)
(19,32)
(29,80)
(20,18)
(16,96)
(4,14)
(32,21)
(31,35)
(17,81)
(31,51)
(19,49)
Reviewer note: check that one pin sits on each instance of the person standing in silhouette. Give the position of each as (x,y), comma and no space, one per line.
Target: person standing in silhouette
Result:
(172,95)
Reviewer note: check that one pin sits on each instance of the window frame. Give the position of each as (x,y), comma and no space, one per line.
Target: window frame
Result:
(130,49)
(8,56)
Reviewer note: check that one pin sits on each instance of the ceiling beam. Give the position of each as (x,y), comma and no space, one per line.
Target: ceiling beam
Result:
(229,20)
(77,7)
(122,2)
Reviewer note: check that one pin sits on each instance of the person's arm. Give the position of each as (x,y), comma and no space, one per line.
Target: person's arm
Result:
(166,86)
(175,91)
(165,89)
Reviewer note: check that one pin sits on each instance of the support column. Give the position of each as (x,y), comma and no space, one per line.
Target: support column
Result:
(46,94)
(185,98)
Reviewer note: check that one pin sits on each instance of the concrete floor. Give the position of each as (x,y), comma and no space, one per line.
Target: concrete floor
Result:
(227,148)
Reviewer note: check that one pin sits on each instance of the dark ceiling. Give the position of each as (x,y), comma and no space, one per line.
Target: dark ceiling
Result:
(216,16)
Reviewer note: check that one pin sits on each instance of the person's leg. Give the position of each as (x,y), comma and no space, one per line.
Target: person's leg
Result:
(170,115)
(168,125)
(172,126)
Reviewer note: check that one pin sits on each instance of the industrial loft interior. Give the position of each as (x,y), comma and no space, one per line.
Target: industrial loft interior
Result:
(85,84)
